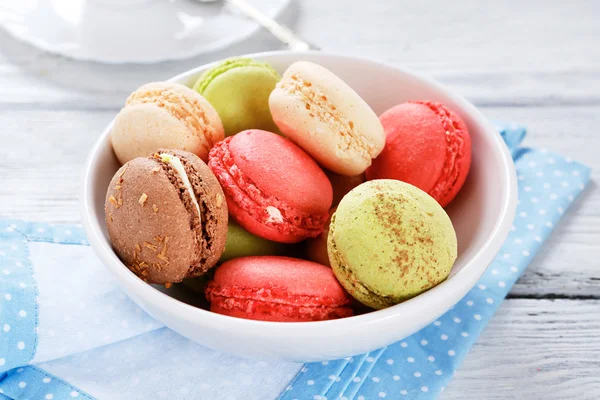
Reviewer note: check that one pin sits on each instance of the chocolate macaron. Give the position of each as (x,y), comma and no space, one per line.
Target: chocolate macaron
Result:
(166,216)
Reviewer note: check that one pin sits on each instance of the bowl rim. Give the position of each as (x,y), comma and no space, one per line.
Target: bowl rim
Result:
(451,290)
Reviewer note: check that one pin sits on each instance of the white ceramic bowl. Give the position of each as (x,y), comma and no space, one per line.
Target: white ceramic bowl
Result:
(482,215)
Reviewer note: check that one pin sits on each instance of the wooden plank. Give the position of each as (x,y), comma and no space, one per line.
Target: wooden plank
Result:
(465,35)
(491,53)
(42,165)
(534,349)
(66,87)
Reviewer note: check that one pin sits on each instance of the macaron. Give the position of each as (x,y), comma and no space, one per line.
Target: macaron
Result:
(166,216)
(280,289)
(241,243)
(165,115)
(390,241)
(316,249)
(239,90)
(343,184)
(273,188)
(322,114)
(428,146)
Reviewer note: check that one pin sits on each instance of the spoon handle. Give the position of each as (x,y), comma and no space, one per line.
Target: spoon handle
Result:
(281,32)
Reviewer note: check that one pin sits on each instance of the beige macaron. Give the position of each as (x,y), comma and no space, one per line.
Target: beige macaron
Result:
(165,115)
(327,118)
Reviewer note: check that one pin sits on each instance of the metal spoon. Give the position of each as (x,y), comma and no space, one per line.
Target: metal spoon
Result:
(281,32)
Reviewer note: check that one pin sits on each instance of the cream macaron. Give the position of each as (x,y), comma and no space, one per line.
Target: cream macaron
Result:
(322,114)
(165,115)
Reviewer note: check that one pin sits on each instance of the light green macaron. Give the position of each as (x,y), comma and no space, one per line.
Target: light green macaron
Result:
(390,241)
(239,90)
(241,243)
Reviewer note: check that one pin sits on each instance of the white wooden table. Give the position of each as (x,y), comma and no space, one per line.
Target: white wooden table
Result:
(535,62)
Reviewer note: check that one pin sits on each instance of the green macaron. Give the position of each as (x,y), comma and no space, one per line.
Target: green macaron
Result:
(239,90)
(241,243)
(389,241)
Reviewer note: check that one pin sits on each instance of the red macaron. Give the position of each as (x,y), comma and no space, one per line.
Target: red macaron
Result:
(428,146)
(273,188)
(270,288)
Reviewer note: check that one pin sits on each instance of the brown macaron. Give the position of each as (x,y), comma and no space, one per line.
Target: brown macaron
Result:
(166,216)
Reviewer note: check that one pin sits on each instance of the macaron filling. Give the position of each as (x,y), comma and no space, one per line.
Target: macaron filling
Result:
(180,169)
(183,176)
(185,109)
(318,106)
(455,150)
(267,210)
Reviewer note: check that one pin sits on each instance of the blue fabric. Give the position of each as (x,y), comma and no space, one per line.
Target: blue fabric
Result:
(18,307)
(19,312)
(420,366)
(34,383)
(84,338)
(93,342)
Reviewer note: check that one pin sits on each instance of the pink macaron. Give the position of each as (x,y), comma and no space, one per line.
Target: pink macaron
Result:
(273,188)
(428,146)
(283,289)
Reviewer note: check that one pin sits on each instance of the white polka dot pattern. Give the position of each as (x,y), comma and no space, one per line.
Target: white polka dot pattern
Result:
(38,320)
(425,362)
(169,363)
(33,383)
(18,310)
(80,312)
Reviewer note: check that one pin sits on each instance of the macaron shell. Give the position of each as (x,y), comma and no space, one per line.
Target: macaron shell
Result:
(415,149)
(428,146)
(329,120)
(390,241)
(259,228)
(277,289)
(241,243)
(240,94)
(458,155)
(343,184)
(187,105)
(165,115)
(232,63)
(142,129)
(316,249)
(275,312)
(273,189)
(165,242)
(282,170)
(285,273)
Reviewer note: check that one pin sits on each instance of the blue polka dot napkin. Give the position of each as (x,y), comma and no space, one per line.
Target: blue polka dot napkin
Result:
(67,331)
(420,366)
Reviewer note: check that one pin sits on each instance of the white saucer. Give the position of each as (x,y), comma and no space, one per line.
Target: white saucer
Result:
(121,31)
